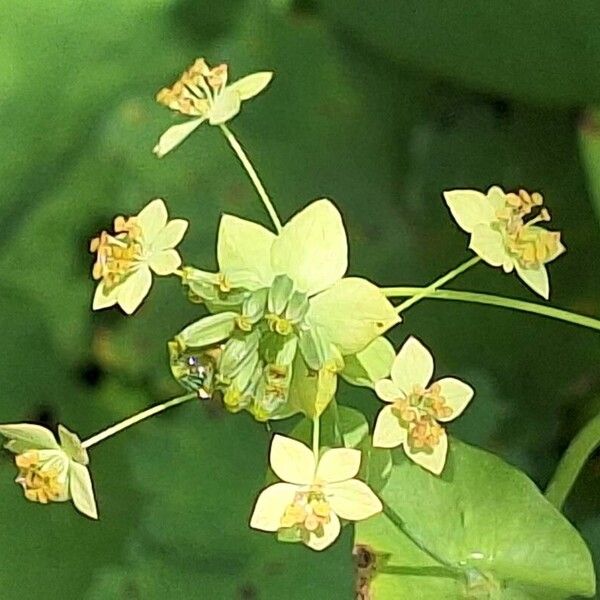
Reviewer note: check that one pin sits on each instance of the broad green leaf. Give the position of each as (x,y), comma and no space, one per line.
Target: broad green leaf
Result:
(353,313)
(312,248)
(502,47)
(208,330)
(370,364)
(395,567)
(245,246)
(471,519)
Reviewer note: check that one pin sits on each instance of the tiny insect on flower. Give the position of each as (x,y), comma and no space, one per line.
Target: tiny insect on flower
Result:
(126,258)
(202,93)
(505,233)
(313,495)
(417,406)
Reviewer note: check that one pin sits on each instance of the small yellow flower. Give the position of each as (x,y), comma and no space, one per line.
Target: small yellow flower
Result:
(125,260)
(504,232)
(203,93)
(49,471)
(416,406)
(313,495)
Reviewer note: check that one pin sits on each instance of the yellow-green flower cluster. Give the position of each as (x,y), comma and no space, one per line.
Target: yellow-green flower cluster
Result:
(285,319)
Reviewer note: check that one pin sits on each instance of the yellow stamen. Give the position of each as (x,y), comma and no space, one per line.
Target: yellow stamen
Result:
(39,485)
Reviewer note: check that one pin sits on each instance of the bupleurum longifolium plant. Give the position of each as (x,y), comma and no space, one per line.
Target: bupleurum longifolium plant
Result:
(281,324)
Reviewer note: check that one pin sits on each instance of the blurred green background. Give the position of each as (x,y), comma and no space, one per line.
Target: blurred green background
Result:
(379,106)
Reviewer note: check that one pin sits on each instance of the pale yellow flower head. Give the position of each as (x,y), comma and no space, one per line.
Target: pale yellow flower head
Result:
(312,497)
(417,406)
(202,93)
(49,471)
(126,258)
(504,232)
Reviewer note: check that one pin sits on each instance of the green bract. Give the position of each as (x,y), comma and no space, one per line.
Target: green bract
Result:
(291,318)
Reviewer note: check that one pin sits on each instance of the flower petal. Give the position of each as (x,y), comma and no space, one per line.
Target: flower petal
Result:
(173,136)
(152,219)
(353,500)
(488,244)
(245,246)
(103,300)
(226,106)
(352,313)
(338,464)
(82,490)
(292,461)
(536,279)
(271,505)
(135,288)
(469,208)
(165,262)
(330,534)
(434,461)
(251,85)
(171,235)
(371,364)
(413,366)
(26,436)
(388,432)
(457,395)
(388,391)
(312,248)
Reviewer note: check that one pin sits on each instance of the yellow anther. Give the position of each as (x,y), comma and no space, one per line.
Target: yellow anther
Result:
(39,485)
(191,94)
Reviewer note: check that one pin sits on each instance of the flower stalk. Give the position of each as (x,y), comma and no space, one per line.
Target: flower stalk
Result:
(260,188)
(426,291)
(133,420)
(501,301)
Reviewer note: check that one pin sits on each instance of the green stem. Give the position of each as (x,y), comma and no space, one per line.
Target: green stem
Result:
(572,461)
(426,291)
(491,300)
(315,438)
(149,412)
(260,188)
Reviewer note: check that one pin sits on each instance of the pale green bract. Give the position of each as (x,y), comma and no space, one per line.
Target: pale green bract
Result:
(49,471)
(292,318)
(312,250)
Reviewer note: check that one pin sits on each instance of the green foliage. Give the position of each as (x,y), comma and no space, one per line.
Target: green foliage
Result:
(482,523)
(515,49)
